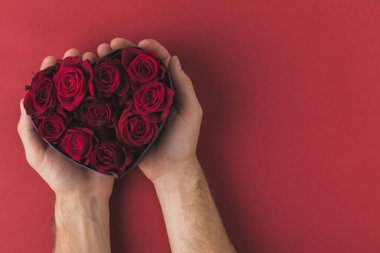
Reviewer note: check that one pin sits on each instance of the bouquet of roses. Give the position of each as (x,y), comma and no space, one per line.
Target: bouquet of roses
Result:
(105,115)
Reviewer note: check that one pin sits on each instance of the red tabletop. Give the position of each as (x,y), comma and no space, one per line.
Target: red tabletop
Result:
(290,140)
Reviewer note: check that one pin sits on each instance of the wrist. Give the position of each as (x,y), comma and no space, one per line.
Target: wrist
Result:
(81,208)
(187,171)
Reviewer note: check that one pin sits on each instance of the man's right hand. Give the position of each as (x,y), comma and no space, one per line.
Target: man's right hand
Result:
(176,148)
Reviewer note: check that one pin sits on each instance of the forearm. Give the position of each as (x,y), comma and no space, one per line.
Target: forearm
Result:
(81,225)
(191,217)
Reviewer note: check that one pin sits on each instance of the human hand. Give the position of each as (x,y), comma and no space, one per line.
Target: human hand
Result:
(191,216)
(63,176)
(82,195)
(175,149)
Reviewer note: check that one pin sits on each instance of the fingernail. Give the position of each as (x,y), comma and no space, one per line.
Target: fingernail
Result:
(22,109)
(143,43)
(177,63)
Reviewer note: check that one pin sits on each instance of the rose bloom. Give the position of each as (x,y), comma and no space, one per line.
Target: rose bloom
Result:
(154,100)
(109,78)
(52,127)
(95,113)
(39,97)
(71,81)
(135,130)
(77,143)
(110,156)
(142,66)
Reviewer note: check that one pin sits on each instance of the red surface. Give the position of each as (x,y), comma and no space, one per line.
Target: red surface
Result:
(290,140)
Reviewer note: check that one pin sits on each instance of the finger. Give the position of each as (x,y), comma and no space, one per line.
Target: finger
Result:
(48,61)
(117,43)
(91,56)
(33,144)
(71,52)
(185,97)
(154,45)
(103,49)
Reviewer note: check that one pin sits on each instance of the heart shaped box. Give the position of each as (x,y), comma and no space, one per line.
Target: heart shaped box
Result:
(137,159)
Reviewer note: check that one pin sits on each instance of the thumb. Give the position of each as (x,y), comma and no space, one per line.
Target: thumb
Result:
(185,97)
(34,146)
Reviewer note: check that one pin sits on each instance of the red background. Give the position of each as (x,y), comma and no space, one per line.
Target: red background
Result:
(290,139)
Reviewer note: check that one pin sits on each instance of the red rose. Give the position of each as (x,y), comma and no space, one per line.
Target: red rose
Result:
(153,99)
(52,127)
(110,156)
(142,66)
(95,113)
(71,81)
(77,143)
(40,95)
(109,78)
(135,130)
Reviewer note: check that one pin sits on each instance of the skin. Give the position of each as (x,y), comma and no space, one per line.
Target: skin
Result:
(82,196)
